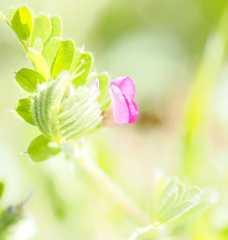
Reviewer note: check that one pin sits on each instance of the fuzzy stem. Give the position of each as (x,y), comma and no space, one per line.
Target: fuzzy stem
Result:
(80,156)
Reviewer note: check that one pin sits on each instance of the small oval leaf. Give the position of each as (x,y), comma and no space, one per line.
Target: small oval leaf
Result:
(40,64)
(41,149)
(41,29)
(51,51)
(22,110)
(22,23)
(28,79)
(64,58)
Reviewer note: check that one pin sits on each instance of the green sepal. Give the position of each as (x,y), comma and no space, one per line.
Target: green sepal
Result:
(41,29)
(64,58)
(41,149)
(28,79)
(84,64)
(22,110)
(22,23)
(2,187)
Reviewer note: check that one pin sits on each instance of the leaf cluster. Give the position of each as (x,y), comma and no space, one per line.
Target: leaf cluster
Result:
(53,59)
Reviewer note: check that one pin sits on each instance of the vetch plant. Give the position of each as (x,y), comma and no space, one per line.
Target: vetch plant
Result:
(66,101)
(175,201)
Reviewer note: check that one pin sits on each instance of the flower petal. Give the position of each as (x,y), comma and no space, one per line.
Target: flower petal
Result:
(126,86)
(120,107)
(133,109)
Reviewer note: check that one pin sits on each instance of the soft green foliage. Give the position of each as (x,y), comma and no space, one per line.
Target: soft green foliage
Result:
(63,58)
(28,80)
(41,29)
(22,110)
(175,201)
(41,149)
(21,22)
(58,104)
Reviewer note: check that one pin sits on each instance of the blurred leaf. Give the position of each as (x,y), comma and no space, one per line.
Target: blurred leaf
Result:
(40,64)
(167,204)
(56,28)
(41,29)
(28,80)
(76,59)
(191,193)
(176,212)
(2,186)
(38,45)
(51,51)
(175,202)
(41,149)
(22,22)
(180,192)
(64,57)
(11,13)
(86,60)
(22,109)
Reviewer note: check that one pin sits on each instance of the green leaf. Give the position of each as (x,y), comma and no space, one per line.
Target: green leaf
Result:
(56,27)
(2,186)
(168,203)
(180,192)
(11,13)
(191,193)
(28,80)
(176,212)
(38,45)
(40,64)
(51,51)
(41,149)
(84,64)
(64,58)
(76,59)
(22,109)
(22,22)
(41,29)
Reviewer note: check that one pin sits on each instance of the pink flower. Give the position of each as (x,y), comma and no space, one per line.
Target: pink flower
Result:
(122,91)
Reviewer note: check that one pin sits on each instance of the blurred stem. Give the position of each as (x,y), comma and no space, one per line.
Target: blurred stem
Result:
(141,231)
(196,116)
(80,156)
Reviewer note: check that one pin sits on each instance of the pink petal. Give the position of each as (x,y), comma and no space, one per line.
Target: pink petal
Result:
(133,109)
(126,86)
(120,107)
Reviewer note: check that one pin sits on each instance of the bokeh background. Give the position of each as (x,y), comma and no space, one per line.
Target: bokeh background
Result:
(176,53)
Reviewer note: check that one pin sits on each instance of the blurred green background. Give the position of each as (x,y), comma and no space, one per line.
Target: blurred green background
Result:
(175,52)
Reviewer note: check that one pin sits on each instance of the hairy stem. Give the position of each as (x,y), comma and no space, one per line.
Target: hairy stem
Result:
(80,156)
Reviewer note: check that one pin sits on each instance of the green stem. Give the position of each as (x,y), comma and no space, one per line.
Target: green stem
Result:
(141,231)
(80,156)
